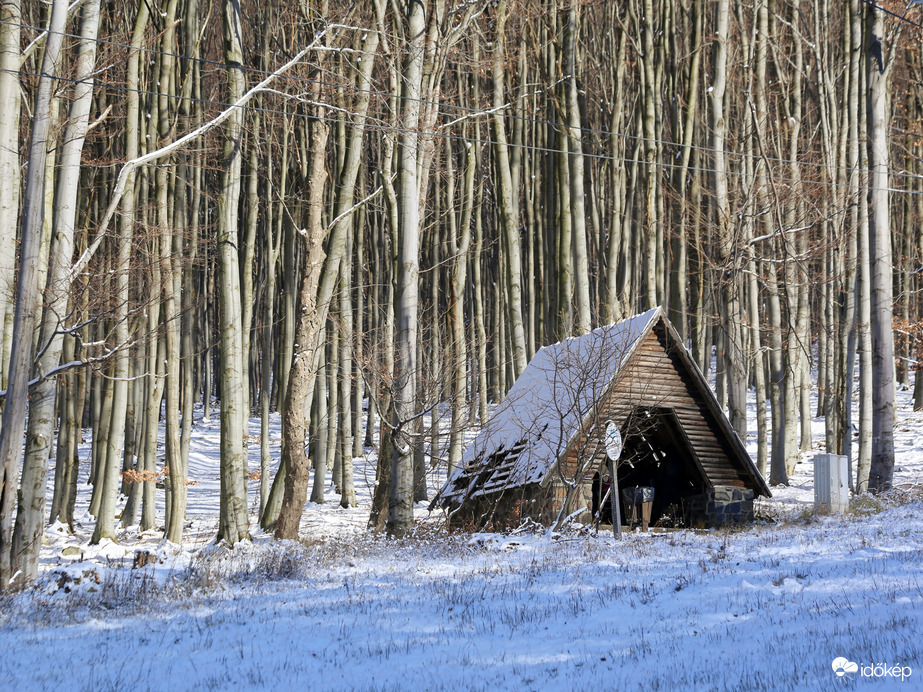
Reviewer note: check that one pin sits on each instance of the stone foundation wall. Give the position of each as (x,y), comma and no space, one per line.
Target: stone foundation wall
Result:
(720,506)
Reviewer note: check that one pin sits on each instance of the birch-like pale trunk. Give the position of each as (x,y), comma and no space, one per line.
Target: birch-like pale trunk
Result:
(878,64)
(617,174)
(10,102)
(248,254)
(27,298)
(66,458)
(564,239)
(333,412)
(652,252)
(679,277)
(319,429)
(850,326)
(378,516)
(233,524)
(584,320)
(400,496)
(729,281)
(460,248)
(269,510)
(154,385)
(757,56)
(359,286)
(508,196)
(859,161)
(173,459)
(40,431)
(476,268)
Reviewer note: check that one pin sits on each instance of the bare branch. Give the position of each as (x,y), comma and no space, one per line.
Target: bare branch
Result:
(129,166)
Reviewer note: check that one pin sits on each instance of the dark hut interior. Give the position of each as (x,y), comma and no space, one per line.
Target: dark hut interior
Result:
(654,455)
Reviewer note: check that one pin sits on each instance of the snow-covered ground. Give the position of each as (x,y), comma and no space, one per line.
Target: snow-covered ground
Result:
(769,607)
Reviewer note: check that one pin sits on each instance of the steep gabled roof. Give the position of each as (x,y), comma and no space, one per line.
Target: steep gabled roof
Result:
(559,396)
(545,409)
(736,445)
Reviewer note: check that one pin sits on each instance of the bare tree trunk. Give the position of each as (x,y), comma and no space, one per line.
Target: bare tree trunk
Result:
(309,324)
(730,290)
(651,143)
(879,70)
(461,244)
(575,161)
(477,280)
(321,412)
(268,512)
(10,100)
(359,286)
(326,282)
(121,365)
(680,275)
(27,292)
(378,516)
(155,386)
(174,461)
(345,480)
(863,289)
(251,205)
(271,253)
(508,198)
(400,496)
(333,412)
(40,433)
(233,524)
(66,459)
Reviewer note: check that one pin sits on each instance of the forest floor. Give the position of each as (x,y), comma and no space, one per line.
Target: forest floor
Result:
(766,607)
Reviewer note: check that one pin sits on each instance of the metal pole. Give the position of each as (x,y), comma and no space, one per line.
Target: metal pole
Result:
(614,500)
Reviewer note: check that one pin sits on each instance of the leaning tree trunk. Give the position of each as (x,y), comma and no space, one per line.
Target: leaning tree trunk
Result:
(326,282)
(303,373)
(322,284)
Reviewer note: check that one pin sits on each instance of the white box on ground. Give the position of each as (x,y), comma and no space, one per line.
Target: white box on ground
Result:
(831,483)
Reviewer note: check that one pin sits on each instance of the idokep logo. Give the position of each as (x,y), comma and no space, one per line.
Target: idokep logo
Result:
(842,666)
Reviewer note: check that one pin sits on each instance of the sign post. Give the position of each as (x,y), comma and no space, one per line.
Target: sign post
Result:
(613,452)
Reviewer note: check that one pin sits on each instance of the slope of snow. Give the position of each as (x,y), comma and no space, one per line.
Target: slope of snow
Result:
(547,405)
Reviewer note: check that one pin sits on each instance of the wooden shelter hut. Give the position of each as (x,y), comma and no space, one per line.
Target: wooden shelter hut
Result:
(542,454)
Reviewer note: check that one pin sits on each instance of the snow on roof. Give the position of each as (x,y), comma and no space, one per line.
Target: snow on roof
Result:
(545,408)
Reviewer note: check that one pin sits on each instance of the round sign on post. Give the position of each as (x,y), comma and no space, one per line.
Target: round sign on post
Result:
(613,441)
(614,451)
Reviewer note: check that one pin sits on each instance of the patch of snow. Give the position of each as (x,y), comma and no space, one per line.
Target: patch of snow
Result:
(766,607)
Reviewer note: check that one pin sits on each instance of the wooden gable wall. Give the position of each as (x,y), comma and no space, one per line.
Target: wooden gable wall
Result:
(657,378)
